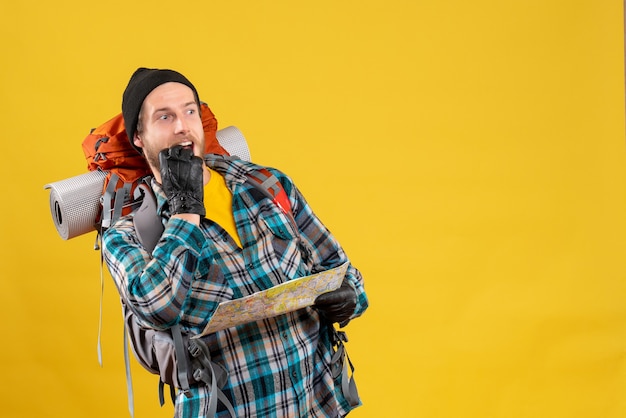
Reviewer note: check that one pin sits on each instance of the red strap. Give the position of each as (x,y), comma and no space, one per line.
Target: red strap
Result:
(279,196)
(282,201)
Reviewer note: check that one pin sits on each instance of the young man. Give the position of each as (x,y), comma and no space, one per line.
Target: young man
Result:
(222,241)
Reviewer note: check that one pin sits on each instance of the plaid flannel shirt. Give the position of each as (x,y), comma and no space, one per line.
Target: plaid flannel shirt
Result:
(278,367)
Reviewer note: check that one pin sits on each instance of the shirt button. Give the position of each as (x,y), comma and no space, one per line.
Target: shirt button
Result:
(294,374)
(285,335)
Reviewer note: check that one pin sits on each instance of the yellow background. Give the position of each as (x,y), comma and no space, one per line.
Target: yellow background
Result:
(469,155)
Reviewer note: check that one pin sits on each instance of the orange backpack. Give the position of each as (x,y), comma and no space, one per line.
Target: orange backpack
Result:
(108,149)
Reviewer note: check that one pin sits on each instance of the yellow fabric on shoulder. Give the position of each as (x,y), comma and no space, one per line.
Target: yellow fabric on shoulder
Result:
(218,202)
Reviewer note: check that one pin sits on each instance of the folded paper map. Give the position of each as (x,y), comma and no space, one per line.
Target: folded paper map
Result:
(286,297)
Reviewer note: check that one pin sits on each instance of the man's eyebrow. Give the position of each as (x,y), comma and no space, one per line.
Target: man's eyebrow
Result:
(168,108)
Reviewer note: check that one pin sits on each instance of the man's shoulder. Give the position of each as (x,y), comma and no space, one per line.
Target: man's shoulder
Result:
(234,166)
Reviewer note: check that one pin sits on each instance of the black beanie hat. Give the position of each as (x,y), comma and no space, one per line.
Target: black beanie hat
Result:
(141,83)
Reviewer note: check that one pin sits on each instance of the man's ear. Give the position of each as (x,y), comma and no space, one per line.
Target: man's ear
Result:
(137,141)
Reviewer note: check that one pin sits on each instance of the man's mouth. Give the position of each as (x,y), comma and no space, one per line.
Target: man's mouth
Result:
(187,144)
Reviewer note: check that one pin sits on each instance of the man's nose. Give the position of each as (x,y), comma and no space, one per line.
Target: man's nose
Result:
(181,125)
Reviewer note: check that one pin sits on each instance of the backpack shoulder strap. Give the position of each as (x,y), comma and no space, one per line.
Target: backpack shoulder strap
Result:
(270,186)
(147,223)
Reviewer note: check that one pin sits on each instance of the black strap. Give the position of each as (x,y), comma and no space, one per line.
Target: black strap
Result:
(339,367)
(162,396)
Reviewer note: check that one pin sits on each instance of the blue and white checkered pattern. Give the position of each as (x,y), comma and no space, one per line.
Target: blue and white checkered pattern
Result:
(278,367)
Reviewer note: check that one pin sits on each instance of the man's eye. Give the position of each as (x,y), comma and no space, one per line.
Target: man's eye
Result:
(191,111)
(164,117)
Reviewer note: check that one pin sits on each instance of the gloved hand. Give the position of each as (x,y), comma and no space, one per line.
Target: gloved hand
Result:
(338,305)
(182,180)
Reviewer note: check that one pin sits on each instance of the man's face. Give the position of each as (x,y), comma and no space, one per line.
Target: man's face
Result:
(169,116)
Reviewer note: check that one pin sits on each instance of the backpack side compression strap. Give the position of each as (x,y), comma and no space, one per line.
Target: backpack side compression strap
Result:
(212,374)
(181,360)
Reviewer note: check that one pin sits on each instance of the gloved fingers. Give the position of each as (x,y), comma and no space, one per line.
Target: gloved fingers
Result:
(167,169)
(163,158)
(330,298)
(176,153)
(337,305)
(340,314)
(344,293)
(183,153)
(182,180)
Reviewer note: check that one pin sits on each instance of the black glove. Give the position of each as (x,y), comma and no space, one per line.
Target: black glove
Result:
(338,305)
(182,180)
